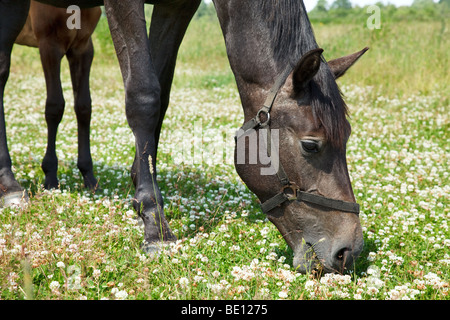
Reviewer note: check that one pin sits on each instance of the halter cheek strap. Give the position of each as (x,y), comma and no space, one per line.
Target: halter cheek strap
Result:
(289,191)
(296,195)
(256,123)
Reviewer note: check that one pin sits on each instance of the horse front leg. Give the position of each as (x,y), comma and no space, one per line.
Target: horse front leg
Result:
(80,61)
(51,55)
(167,29)
(168,26)
(13,15)
(142,105)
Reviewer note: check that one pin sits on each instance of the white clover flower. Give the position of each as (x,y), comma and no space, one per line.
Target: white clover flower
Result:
(265,231)
(184,282)
(309,285)
(371,256)
(215,288)
(96,273)
(54,285)
(216,274)
(264,291)
(121,295)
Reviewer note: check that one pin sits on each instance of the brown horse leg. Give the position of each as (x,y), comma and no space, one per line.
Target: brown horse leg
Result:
(51,55)
(80,61)
(13,17)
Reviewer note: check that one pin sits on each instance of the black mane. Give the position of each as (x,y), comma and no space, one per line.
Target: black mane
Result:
(291,37)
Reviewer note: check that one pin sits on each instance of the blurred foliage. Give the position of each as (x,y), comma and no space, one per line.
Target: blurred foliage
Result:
(342,11)
(339,11)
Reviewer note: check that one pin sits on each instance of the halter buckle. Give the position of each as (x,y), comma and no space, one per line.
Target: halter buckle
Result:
(290,191)
(258,118)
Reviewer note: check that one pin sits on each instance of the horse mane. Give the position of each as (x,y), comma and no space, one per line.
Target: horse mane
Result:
(291,37)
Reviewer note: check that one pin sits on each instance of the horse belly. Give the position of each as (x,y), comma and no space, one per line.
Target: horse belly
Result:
(66,3)
(26,37)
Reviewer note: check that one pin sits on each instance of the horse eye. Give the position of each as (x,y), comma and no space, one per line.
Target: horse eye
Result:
(310,146)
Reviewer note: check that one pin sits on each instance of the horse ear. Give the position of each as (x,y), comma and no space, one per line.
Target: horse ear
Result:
(307,68)
(340,65)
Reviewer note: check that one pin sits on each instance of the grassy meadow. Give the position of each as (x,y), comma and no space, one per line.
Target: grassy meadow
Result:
(72,244)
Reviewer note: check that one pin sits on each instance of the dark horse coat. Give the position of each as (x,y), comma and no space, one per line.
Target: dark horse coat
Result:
(263,39)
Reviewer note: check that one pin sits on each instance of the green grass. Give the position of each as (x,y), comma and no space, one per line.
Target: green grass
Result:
(71,244)
(404,57)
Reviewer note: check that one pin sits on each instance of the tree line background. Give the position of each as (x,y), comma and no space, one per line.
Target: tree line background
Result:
(336,11)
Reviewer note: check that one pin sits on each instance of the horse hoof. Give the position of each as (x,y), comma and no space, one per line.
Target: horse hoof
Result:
(139,221)
(15,199)
(154,248)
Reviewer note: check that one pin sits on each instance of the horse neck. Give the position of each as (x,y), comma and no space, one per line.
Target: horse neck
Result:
(247,40)
(257,56)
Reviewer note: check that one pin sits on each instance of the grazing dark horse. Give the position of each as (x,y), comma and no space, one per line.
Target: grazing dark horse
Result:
(287,91)
(46,28)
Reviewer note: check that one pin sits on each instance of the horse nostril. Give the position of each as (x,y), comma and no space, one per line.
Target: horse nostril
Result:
(341,259)
(341,255)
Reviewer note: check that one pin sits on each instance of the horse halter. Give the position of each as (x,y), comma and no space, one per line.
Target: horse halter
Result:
(289,191)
